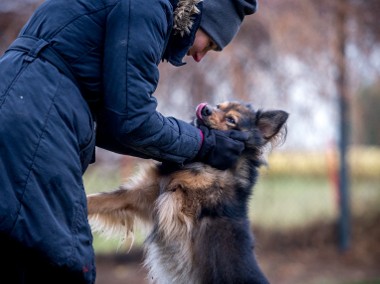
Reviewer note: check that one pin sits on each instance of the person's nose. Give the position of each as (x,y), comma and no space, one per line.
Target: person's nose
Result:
(199,55)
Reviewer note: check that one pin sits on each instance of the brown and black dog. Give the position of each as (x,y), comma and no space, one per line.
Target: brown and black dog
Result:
(199,215)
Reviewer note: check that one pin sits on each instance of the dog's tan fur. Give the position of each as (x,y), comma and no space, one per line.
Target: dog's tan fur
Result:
(186,205)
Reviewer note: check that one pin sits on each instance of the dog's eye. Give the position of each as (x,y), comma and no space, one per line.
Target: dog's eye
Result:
(230,119)
(218,106)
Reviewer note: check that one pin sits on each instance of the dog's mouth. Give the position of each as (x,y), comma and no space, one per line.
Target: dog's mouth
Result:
(199,110)
(198,113)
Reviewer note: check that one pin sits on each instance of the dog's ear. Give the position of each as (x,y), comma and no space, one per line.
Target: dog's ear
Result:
(270,123)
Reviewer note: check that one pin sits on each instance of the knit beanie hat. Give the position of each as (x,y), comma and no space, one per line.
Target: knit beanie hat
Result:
(221,19)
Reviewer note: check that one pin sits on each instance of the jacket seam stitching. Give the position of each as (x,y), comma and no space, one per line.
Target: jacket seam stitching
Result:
(80,16)
(6,93)
(34,154)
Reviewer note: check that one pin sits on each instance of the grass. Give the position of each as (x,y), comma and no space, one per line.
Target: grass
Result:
(279,202)
(284,202)
(287,202)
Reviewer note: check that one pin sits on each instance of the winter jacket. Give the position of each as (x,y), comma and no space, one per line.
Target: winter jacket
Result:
(77,60)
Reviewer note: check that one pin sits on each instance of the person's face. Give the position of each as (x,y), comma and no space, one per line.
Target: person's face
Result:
(202,44)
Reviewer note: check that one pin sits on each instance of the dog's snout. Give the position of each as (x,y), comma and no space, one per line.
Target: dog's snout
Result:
(206,111)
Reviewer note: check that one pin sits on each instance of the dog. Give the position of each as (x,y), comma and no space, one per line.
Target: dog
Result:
(200,231)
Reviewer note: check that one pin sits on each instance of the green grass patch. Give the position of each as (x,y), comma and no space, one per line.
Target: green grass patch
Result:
(288,202)
(98,179)
(285,202)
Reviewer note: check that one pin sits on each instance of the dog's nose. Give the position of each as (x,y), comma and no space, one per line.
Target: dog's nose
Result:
(206,111)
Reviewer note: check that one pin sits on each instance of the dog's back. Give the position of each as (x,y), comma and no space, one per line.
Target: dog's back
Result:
(201,232)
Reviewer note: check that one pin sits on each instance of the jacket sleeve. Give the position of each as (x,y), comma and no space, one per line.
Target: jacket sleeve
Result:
(127,122)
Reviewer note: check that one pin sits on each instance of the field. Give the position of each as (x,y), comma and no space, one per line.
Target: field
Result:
(294,216)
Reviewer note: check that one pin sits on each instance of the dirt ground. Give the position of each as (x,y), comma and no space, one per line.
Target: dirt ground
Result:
(304,256)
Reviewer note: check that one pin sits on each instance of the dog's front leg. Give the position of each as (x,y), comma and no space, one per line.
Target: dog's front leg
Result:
(116,210)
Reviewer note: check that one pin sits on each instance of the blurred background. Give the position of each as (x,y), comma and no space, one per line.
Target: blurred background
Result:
(316,208)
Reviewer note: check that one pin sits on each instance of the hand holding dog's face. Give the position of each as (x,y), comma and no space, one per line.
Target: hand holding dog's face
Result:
(263,126)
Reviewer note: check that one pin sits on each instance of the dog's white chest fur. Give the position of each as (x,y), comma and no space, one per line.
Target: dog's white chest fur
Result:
(167,266)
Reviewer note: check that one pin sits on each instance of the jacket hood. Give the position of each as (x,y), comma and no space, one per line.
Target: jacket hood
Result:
(184,15)
(187,18)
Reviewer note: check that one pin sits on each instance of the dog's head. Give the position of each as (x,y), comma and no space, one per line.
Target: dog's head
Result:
(262,126)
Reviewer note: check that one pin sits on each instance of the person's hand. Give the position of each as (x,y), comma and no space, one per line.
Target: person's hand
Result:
(221,149)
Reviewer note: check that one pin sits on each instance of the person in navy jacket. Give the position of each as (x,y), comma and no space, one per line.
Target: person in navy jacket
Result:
(83,73)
